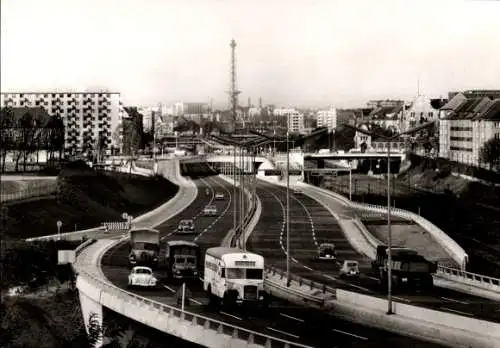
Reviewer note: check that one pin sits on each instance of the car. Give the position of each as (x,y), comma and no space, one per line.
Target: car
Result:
(297,190)
(219,196)
(210,210)
(350,268)
(186,226)
(326,251)
(142,276)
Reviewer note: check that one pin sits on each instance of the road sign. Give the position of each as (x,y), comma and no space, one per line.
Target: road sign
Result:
(124,216)
(59,223)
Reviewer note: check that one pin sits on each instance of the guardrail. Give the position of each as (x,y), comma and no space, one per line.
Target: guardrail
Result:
(488,283)
(110,292)
(33,190)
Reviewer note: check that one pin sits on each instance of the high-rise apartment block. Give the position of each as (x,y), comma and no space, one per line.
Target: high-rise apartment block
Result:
(327,118)
(89,117)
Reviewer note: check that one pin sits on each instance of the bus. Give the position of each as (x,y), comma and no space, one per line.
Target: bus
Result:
(182,259)
(234,276)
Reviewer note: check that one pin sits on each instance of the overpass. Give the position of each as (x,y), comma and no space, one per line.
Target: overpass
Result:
(191,325)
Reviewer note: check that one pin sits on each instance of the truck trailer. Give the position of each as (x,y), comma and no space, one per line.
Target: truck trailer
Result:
(182,259)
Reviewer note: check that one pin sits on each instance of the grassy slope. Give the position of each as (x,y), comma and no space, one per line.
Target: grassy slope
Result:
(85,200)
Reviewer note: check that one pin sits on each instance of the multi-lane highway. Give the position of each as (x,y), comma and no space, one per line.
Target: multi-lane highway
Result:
(282,319)
(312,224)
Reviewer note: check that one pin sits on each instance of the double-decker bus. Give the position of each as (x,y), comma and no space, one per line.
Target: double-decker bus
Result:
(234,276)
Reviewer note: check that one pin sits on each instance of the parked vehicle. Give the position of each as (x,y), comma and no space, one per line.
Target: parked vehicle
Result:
(186,226)
(144,247)
(219,196)
(210,210)
(142,276)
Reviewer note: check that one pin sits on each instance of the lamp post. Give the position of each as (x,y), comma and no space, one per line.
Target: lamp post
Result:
(389,139)
(234,188)
(287,211)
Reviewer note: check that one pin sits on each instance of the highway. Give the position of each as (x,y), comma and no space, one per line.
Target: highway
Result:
(312,224)
(282,319)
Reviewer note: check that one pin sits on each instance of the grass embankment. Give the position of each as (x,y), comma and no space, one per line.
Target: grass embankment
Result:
(469,212)
(85,199)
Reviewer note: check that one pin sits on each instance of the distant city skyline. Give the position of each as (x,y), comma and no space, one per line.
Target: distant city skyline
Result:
(295,52)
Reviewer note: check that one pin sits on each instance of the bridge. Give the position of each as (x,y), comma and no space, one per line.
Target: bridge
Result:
(352,156)
(300,313)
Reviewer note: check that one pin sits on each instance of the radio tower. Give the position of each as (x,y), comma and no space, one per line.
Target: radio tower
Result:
(233,92)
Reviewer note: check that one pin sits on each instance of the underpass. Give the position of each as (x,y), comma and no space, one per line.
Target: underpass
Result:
(315,215)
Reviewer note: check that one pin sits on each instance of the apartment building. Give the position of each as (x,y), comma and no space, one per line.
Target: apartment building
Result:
(295,122)
(87,116)
(466,125)
(327,118)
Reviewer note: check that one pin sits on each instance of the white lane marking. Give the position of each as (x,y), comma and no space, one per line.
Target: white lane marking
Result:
(310,219)
(282,332)
(290,317)
(307,267)
(169,288)
(220,216)
(459,312)
(350,334)
(370,277)
(195,301)
(453,300)
(349,284)
(284,220)
(212,192)
(230,315)
(401,299)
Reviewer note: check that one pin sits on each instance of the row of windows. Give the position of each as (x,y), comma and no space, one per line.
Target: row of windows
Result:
(413,114)
(461,128)
(61,95)
(461,138)
(458,148)
(211,266)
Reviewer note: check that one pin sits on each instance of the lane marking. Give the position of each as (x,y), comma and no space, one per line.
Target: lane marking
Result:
(453,300)
(307,267)
(370,277)
(350,334)
(195,301)
(169,288)
(401,299)
(221,214)
(348,284)
(310,218)
(459,312)
(230,315)
(282,332)
(290,317)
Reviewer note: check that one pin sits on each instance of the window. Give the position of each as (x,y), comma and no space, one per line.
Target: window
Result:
(235,273)
(254,273)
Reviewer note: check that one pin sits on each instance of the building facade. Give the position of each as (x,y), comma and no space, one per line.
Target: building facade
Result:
(295,122)
(466,125)
(89,118)
(327,118)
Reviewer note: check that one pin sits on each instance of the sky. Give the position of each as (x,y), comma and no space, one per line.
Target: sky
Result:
(307,53)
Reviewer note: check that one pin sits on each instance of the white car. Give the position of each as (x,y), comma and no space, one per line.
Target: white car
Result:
(142,276)
(219,196)
(350,268)
(210,210)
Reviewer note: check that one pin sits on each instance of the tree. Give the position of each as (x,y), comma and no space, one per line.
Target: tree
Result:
(490,153)
(7,133)
(54,136)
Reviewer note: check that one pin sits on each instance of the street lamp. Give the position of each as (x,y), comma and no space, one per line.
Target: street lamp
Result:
(389,139)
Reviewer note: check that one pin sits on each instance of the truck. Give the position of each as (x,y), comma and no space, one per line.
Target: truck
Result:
(144,247)
(409,269)
(182,259)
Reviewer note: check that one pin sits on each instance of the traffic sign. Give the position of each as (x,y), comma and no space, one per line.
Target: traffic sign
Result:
(124,216)
(59,223)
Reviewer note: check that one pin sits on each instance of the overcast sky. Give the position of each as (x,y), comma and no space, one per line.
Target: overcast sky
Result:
(303,53)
